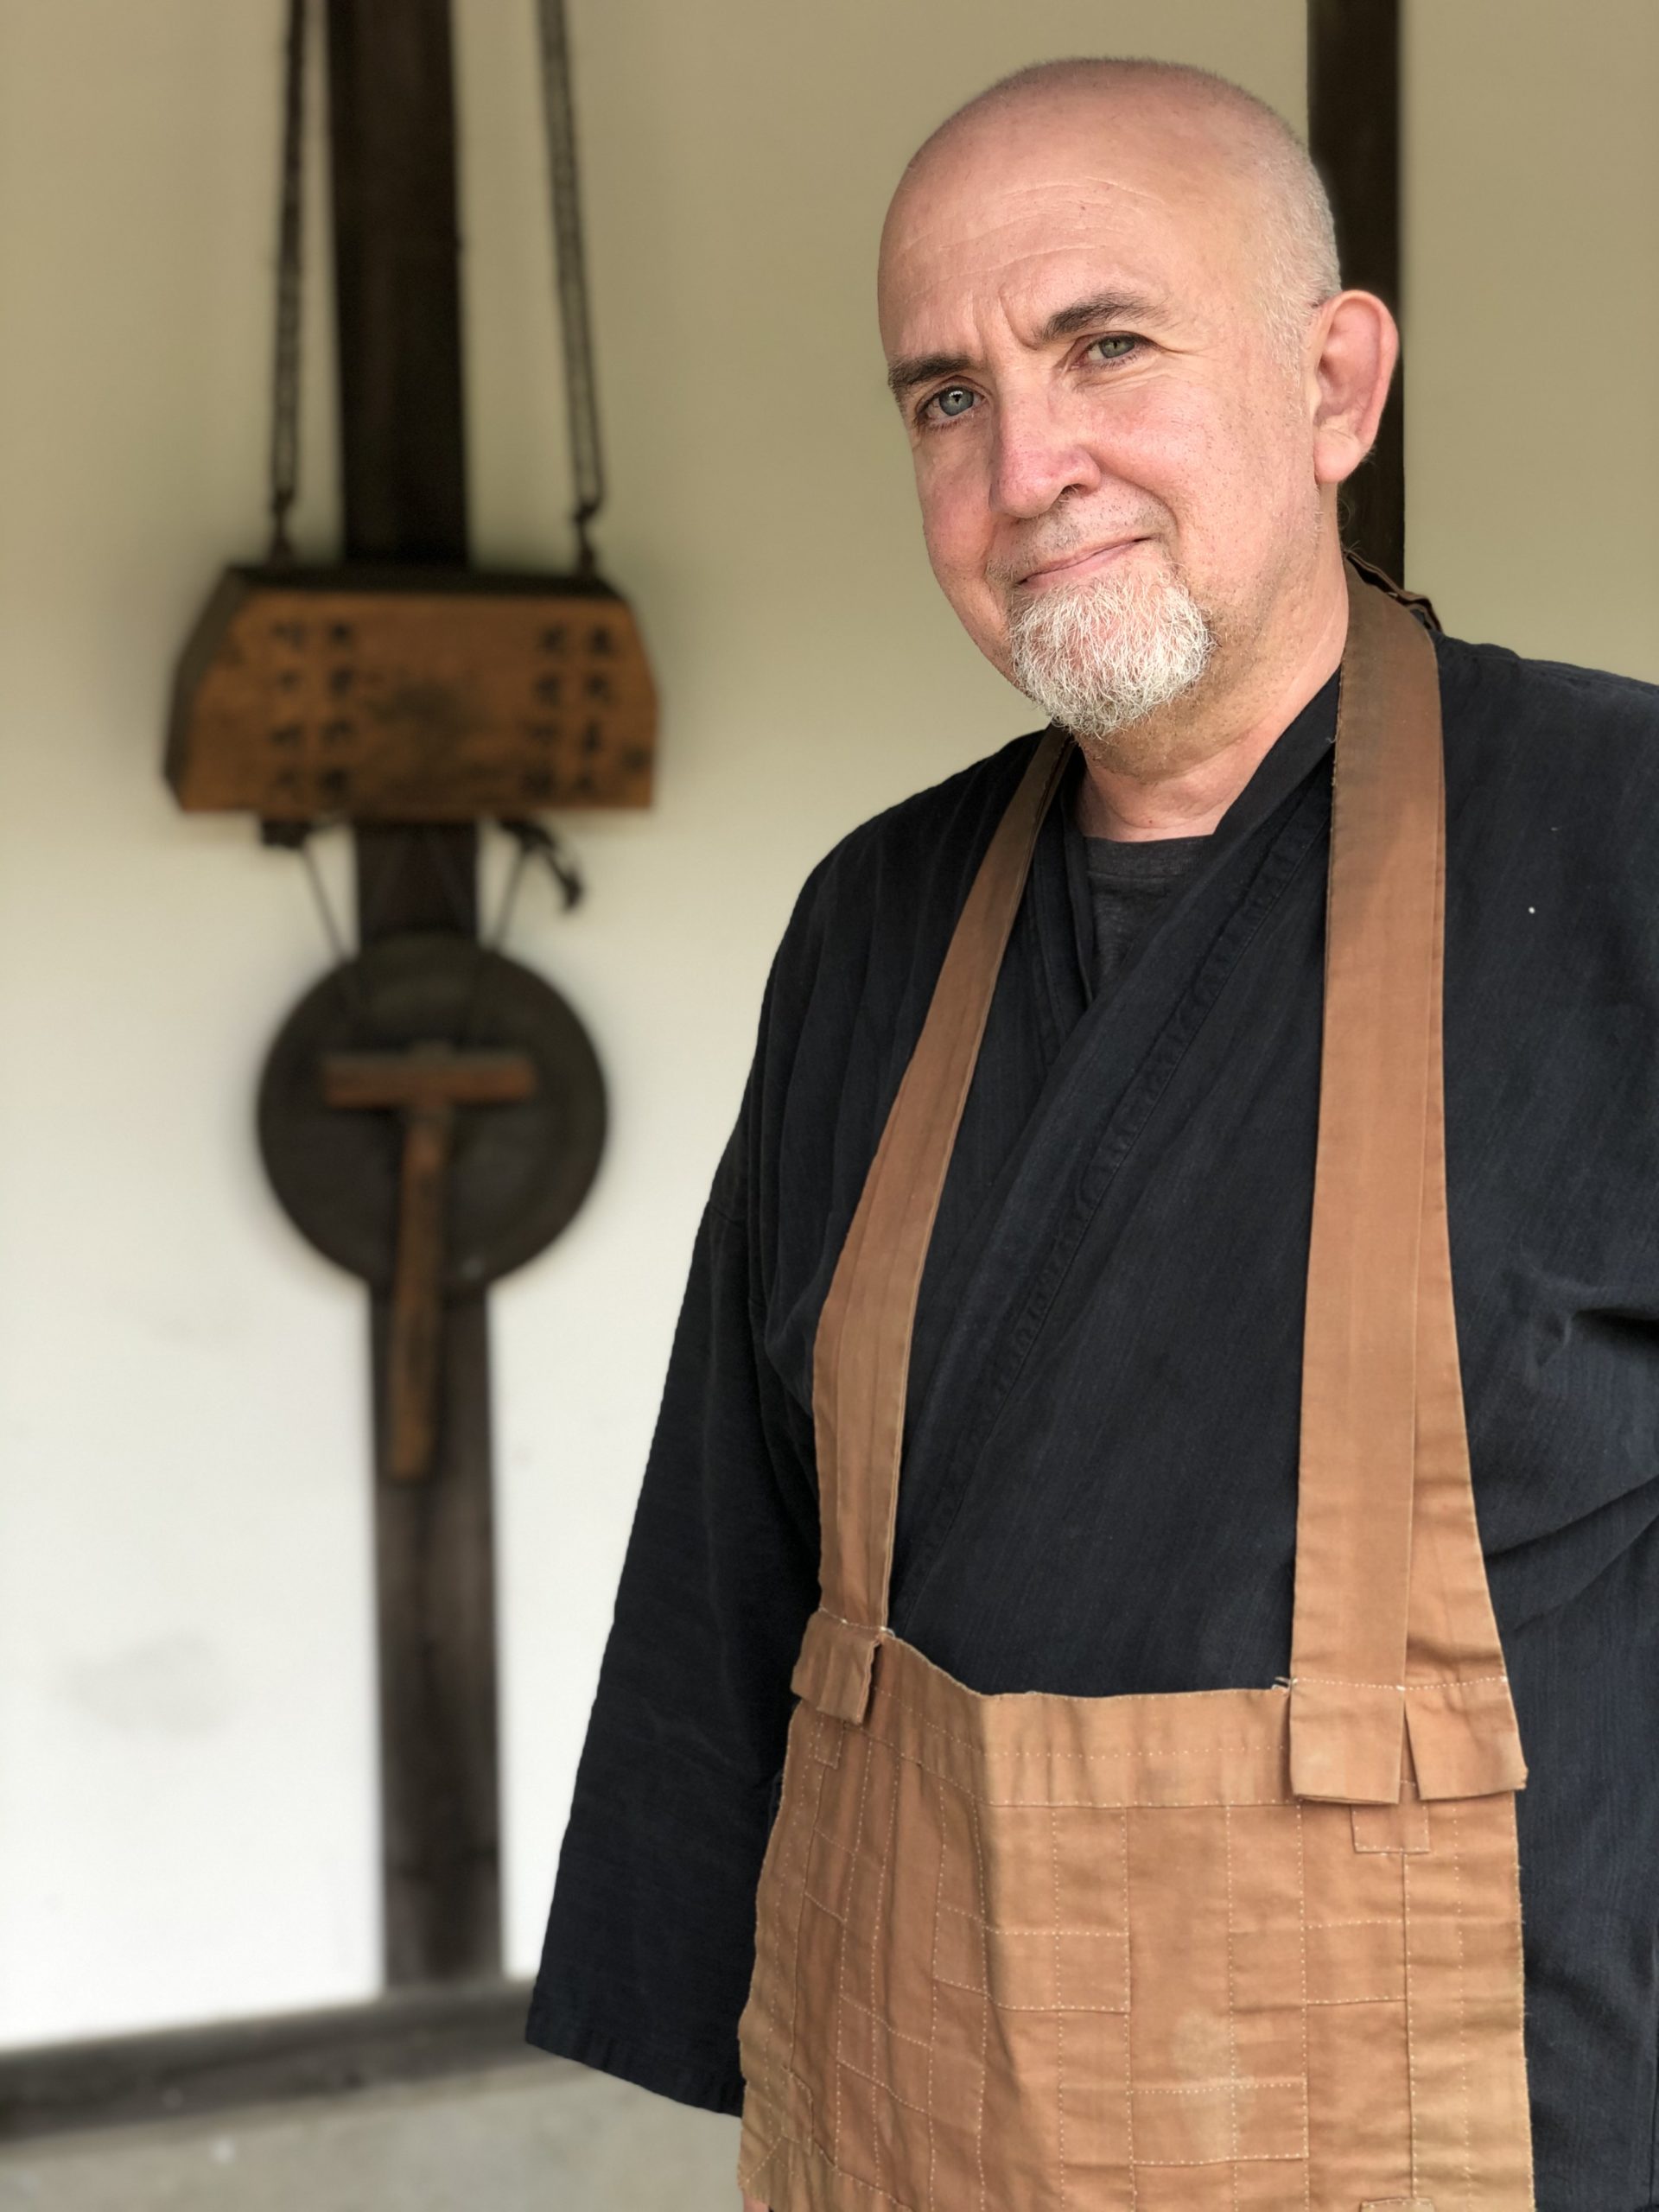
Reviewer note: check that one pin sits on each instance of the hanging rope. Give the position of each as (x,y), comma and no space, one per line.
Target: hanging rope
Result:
(533,840)
(290,236)
(587,458)
(580,398)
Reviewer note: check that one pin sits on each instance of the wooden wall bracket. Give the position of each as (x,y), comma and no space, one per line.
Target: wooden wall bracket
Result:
(1353,122)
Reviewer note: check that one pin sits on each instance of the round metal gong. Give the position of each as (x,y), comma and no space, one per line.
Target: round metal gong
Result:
(518,1173)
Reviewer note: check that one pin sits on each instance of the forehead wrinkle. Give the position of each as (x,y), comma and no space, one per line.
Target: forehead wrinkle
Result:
(1038,199)
(1074,181)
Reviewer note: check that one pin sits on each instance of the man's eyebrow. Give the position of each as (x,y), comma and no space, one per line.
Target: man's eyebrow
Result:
(913,369)
(1101,306)
(905,374)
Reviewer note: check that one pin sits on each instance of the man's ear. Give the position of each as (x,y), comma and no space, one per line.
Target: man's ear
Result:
(1353,349)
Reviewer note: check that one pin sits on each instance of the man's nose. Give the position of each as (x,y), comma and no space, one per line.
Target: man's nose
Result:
(1036,458)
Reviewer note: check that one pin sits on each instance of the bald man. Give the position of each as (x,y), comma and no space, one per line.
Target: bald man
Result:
(1132,386)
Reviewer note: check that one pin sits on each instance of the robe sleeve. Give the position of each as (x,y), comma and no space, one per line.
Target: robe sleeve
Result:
(650,1937)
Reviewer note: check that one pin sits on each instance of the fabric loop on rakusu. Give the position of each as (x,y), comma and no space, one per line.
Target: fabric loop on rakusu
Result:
(834,1670)
(1347,1741)
(1465,1742)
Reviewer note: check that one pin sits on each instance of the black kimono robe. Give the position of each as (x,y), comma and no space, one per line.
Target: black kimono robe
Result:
(1099,1474)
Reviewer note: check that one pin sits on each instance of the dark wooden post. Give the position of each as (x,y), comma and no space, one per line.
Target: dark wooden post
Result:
(1353,112)
(396,254)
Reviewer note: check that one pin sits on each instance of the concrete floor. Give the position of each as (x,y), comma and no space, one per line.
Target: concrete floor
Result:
(528,2138)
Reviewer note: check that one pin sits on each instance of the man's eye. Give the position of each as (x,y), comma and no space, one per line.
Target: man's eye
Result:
(1115,348)
(951,404)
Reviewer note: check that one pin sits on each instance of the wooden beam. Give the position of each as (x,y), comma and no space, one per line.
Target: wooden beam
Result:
(1353,109)
(397,274)
(402,469)
(122,2079)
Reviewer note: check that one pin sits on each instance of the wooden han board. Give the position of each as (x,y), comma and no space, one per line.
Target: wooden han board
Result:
(423,695)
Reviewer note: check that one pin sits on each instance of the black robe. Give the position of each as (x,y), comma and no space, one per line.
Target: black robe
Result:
(1100,1472)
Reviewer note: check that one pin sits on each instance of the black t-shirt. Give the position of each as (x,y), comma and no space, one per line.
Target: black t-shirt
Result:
(1127,885)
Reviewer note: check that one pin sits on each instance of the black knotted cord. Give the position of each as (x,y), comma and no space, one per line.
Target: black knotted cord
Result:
(290,244)
(582,403)
(533,841)
(345,975)
(331,928)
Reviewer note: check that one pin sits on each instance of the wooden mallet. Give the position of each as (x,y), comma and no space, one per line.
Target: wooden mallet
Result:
(424,1085)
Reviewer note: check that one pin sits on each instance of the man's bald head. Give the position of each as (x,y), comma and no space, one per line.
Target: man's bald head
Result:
(1292,231)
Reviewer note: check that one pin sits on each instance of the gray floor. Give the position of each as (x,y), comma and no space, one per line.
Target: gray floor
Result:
(523,2139)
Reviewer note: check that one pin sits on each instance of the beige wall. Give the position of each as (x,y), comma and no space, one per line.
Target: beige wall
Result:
(187,1818)
(1532,422)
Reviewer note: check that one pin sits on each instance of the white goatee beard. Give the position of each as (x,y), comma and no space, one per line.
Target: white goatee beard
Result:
(1106,652)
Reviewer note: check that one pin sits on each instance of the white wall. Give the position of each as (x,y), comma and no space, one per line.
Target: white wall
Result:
(185,1720)
(186,1819)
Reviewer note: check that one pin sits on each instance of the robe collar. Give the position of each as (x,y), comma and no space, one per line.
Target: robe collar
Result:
(1299,748)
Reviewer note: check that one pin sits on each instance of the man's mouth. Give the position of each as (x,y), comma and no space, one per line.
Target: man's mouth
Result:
(1070,566)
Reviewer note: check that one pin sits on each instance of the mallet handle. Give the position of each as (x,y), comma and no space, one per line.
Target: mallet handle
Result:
(414,1350)
(424,1084)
